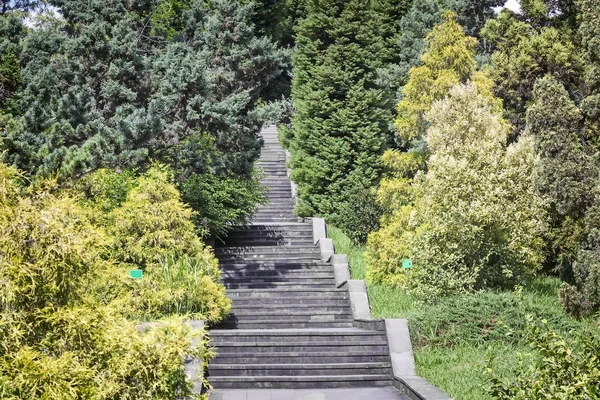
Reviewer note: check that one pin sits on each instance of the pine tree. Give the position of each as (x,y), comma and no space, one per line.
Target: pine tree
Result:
(121,83)
(418,22)
(589,31)
(10,75)
(129,92)
(340,124)
(448,60)
(567,174)
(524,53)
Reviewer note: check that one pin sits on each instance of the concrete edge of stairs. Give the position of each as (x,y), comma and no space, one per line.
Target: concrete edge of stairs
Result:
(398,337)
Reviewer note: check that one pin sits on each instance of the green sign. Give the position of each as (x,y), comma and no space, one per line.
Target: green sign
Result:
(407,264)
(136,273)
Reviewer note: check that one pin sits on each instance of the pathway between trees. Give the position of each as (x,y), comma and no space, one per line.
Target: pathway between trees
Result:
(290,327)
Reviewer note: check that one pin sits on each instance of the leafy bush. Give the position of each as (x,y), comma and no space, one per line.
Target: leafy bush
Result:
(222,202)
(60,339)
(105,189)
(153,221)
(582,296)
(476,220)
(556,368)
(359,215)
(153,230)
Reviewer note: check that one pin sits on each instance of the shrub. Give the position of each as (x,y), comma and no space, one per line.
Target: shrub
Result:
(153,221)
(556,368)
(222,202)
(105,189)
(59,340)
(153,230)
(582,297)
(359,215)
(476,220)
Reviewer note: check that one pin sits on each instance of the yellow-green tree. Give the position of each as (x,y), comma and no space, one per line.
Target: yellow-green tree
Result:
(449,59)
(476,219)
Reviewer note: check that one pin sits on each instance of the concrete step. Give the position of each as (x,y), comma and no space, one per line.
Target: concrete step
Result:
(291,357)
(374,368)
(251,348)
(287,293)
(294,302)
(285,335)
(277,324)
(278,309)
(270,285)
(312,249)
(300,382)
(341,315)
(274,265)
(293,274)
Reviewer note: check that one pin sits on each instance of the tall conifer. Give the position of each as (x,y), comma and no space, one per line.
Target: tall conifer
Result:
(340,123)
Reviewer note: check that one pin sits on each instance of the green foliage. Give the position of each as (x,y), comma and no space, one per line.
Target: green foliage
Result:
(168,17)
(10,75)
(153,222)
(143,87)
(222,202)
(418,22)
(525,53)
(581,296)
(589,31)
(361,214)
(454,336)
(414,27)
(104,189)
(339,127)
(63,329)
(448,60)
(556,368)
(476,220)
(566,173)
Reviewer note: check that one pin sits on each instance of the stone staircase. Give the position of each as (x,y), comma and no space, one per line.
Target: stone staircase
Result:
(290,327)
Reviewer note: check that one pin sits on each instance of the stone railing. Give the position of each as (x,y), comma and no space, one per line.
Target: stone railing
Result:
(398,337)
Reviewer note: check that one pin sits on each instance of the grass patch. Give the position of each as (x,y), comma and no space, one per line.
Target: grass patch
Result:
(386,302)
(453,336)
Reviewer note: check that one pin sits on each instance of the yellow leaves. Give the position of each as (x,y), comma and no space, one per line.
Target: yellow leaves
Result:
(448,60)
(64,301)
(153,221)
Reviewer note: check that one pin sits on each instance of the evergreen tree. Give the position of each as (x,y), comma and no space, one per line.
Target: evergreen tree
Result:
(414,27)
(340,122)
(448,60)
(121,83)
(420,20)
(589,31)
(567,174)
(476,219)
(10,76)
(525,52)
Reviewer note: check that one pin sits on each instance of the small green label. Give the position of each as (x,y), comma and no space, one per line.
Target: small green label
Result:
(407,264)
(136,273)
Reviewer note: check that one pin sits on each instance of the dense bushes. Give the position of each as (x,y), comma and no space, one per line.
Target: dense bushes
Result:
(68,310)
(557,367)
(476,219)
